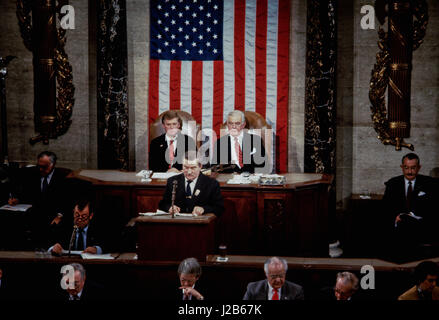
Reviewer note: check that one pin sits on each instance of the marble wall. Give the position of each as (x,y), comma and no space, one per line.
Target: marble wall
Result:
(75,149)
(363,162)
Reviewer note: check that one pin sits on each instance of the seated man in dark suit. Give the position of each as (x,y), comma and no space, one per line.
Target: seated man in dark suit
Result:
(81,289)
(275,287)
(195,192)
(166,151)
(42,186)
(189,272)
(408,201)
(84,236)
(239,148)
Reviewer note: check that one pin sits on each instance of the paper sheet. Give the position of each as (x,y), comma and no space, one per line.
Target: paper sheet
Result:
(18,207)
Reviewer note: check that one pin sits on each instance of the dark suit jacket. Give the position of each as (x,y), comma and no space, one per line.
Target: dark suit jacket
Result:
(259,291)
(209,196)
(47,204)
(158,150)
(253,153)
(92,291)
(94,237)
(425,193)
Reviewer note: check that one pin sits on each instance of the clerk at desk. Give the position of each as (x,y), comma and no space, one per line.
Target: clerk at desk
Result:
(194,192)
(82,235)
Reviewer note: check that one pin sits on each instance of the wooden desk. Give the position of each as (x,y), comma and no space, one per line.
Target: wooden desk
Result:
(289,220)
(168,239)
(129,278)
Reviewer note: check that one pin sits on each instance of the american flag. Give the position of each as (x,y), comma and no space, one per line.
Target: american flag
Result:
(209,57)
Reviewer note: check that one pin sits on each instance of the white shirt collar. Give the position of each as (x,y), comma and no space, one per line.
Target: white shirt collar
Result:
(168,138)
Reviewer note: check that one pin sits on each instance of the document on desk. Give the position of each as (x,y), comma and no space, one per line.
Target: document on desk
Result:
(106,256)
(18,207)
(164,175)
(151,214)
(72,252)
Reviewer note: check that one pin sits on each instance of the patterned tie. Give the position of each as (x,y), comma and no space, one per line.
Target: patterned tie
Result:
(409,196)
(45,185)
(238,152)
(275,295)
(171,153)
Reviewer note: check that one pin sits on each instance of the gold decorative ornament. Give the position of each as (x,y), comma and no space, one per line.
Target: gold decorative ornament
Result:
(392,70)
(53,79)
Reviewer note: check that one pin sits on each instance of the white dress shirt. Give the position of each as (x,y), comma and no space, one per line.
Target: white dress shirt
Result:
(234,157)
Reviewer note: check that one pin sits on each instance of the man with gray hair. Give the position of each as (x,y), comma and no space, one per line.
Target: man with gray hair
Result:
(195,193)
(189,271)
(239,148)
(346,285)
(275,287)
(81,289)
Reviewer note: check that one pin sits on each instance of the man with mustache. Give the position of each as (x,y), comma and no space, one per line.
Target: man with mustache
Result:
(408,204)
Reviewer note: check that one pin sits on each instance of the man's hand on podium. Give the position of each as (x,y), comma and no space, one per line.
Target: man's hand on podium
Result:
(198,211)
(176,209)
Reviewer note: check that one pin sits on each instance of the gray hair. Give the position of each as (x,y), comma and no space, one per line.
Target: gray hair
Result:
(50,154)
(78,267)
(275,260)
(348,277)
(236,113)
(190,266)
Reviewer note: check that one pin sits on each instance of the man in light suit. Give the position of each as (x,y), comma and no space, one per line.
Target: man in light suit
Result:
(166,151)
(426,274)
(195,192)
(275,287)
(408,201)
(246,151)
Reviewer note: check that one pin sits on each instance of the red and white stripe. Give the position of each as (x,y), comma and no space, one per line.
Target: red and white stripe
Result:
(254,74)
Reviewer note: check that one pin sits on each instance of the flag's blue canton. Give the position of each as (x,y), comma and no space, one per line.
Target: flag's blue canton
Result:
(187,29)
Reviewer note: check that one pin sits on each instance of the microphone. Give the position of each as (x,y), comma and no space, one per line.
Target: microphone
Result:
(75,229)
(174,189)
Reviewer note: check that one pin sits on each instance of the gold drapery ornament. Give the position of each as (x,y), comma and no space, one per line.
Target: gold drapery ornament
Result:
(53,77)
(393,66)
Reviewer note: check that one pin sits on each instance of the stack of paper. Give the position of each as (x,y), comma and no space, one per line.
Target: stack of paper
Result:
(150,214)
(18,207)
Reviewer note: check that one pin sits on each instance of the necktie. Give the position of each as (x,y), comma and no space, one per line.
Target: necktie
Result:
(171,153)
(275,295)
(188,189)
(188,197)
(409,196)
(45,185)
(238,152)
(80,243)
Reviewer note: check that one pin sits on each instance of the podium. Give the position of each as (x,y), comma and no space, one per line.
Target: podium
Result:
(173,239)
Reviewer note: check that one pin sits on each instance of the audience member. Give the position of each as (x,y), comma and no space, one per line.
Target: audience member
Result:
(408,202)
(43,186)
(275,287)
(425,288)
(195,192)
(83,289)
(189,272)
(246,151)
(166,151)
(346,286)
